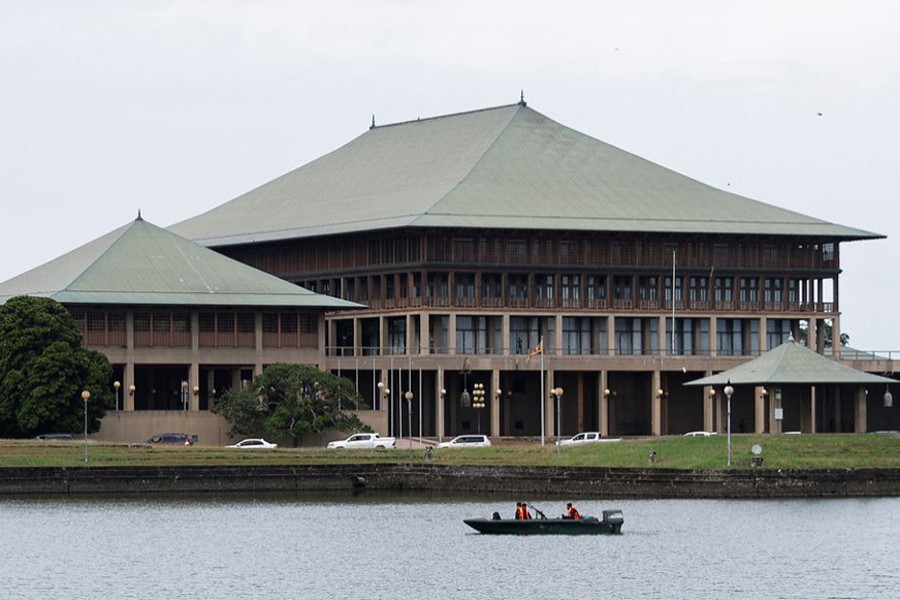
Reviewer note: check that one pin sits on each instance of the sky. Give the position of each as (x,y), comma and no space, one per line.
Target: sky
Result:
(175,107)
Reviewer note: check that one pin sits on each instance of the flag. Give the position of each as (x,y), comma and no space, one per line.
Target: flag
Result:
(539,349)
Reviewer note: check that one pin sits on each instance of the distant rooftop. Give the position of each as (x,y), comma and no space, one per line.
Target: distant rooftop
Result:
(143,264)
(508,167)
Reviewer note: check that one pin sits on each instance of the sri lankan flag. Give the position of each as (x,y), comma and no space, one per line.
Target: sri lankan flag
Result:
(539,349)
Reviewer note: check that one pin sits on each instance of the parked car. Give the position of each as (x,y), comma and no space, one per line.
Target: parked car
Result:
(362,441)
(699,433)
(467,441)
(174,439)
(253,444)
(585,437)
(55,436)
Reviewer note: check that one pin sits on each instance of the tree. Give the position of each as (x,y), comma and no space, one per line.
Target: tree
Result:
(44,369)
(289,400)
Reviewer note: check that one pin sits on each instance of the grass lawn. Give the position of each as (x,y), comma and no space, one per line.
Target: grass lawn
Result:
(822,451)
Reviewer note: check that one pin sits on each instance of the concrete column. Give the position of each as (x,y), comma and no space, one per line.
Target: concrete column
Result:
(663,340)
(713,336)
(708,406)
(495,403)
(580,397)
(194,381)
(410,335)
(320,329)
(611,335)
(763,334)
(424,330)
(721,411)
(811,334)
(656,405)
(549,405)
(440,385)
(836,335)
(330,336)
(558,336)
(812,410)
(451,333)
(859,410)
(603,408)
(357,329)
(759,412)
(128,375)
(504,335)
(258,342)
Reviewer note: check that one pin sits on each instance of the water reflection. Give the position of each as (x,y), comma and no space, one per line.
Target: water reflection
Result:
(416,546)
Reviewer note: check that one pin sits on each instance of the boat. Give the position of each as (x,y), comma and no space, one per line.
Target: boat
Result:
(611,523)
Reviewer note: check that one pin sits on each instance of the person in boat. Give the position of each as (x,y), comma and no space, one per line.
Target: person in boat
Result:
(522,511)
(571,512)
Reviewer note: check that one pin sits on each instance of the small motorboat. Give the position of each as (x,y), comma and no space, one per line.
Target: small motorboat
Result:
(611,523)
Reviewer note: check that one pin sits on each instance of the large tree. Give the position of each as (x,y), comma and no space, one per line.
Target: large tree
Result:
(289,400)
(44,369)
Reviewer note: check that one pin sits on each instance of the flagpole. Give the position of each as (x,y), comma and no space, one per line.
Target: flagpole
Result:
(541,344)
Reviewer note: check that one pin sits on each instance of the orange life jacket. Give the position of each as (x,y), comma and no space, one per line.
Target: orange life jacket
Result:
(573,513)
(519,513)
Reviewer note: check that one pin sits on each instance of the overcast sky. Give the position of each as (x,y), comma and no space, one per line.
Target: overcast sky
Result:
(176,107)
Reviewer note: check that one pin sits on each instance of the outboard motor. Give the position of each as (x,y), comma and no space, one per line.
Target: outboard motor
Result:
(615,518)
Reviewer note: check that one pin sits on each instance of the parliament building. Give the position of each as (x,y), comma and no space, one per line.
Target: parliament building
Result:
(515,277)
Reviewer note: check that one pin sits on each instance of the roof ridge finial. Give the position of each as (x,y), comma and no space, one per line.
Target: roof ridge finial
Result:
(522,98)
(139,218)
(373,122)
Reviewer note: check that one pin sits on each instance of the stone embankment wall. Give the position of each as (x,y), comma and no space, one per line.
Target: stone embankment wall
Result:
(573,482)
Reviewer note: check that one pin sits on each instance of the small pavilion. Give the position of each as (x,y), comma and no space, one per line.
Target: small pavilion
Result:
(797,389)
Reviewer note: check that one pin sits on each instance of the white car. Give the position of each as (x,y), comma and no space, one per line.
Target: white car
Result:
(253,444)
(699,434)
(585,437)
(363,441)
(467,441)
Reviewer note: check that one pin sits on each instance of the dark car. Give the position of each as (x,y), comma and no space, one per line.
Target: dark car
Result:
(177,439)
(55,436)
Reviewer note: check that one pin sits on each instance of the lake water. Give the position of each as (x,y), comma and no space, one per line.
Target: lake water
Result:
(399,547)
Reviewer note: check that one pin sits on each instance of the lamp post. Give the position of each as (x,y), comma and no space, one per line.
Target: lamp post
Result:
(85,395)
(558,393)
(117,385)
(729,390)
(478,401)
(409,397)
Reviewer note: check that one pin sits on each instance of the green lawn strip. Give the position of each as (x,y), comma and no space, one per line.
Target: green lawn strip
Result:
(671,452)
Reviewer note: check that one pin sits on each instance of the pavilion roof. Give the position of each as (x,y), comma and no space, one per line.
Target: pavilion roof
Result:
(791,363)
(143,264)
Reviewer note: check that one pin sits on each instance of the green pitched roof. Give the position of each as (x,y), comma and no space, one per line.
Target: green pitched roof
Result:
(509,168)
(791,363)
(141,263)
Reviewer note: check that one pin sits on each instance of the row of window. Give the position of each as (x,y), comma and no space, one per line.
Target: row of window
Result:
(220,329)
(570,290)
(352,252)
(580,335)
